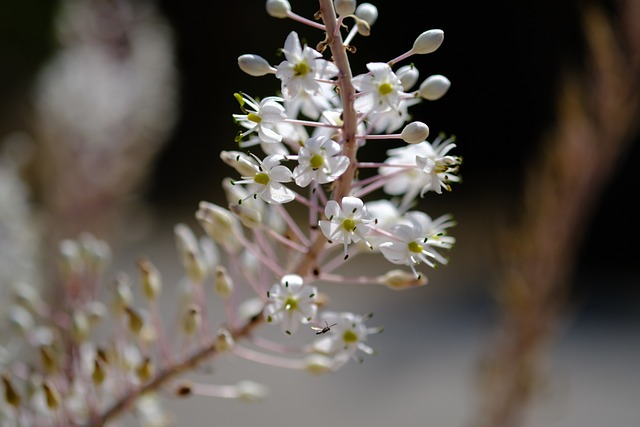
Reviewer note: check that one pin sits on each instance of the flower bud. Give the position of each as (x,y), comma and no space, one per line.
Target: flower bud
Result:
(428,42)
(344,7)
(364,29)
(136,322)
(408,75)
(123,296)
(189,251)
(223,283)
(415,132)
(149,278)
(400,279)
(144,370)
(318,364)
(224,341)
(434,87)
(80,326)
(26,295)
(248,216)
(70,258)
(254,65)
(244,164)
(51,394)
(278,8)
(367,12)
(21,319)
(98,375)
(95,252)
(220,225)
(251,391)
(11,395)
(192,320)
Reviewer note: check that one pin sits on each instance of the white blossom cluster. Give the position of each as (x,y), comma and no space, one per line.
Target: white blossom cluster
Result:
(303,202)
(303,148)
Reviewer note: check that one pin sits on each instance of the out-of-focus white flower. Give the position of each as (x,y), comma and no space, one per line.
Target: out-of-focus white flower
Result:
(348,336)
(414,241)
(290,303)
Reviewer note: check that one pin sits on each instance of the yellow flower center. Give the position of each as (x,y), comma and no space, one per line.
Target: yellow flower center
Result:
(349,224)
(385,88)
(290,304)
(301,69)
(415,247)
(349,336)
(261,178)
(254,117)
(316,161)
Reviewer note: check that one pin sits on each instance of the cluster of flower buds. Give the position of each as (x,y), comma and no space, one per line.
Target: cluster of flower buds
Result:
(301,205)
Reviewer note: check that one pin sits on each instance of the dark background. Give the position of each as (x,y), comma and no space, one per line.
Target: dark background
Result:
(504,59)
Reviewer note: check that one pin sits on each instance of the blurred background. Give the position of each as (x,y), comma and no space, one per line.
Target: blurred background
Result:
(138,157)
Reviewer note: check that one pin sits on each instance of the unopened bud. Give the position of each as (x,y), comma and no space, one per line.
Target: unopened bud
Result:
(224,341)
(408,75)
(98,375)
(21,319)
(80,326)
(149,278)
(220,225)
(51,394)
(254,65)
(248,216)
(123,296)
(428,42)
(192,320)
(144,371)
(364,29)
(70,258)
(278,8)
(400,279)
(344,7)
(189,251)
(367,12)
(244,164)
(96,252)
(415,132)
(136,322)
(434,87)
(251,391)
(49,359)
(318,364)
(223,283)
(11,395)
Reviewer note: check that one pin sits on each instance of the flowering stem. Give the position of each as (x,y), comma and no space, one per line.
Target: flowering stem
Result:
(163,377)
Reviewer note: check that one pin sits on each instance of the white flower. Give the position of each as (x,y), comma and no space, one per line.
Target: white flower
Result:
(267,180)
(346,337)
(440,167)
(319,160)
(428,168)
(261,117)
(414,240)
(302,67)
(291,303)
(347,224)
(380,89)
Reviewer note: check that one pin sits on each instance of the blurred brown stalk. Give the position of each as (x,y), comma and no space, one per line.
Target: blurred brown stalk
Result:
(597,118)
